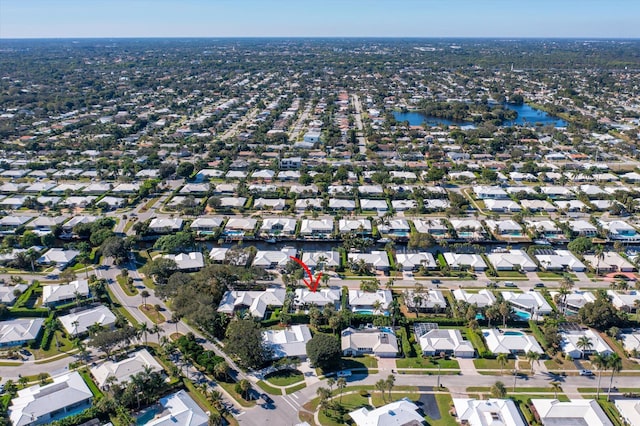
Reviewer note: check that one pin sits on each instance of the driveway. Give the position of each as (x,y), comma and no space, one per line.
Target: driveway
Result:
(428,403)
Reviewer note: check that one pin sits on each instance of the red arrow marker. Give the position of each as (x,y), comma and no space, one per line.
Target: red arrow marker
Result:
(311,284)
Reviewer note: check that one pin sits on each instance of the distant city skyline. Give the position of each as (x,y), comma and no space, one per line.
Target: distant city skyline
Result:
(325,18)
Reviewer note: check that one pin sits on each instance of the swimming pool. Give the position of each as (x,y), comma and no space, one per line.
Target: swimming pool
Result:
(480,317)
(369,312)
(147,416)
(513,333)
(521,315)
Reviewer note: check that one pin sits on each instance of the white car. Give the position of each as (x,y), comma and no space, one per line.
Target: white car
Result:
(344,373)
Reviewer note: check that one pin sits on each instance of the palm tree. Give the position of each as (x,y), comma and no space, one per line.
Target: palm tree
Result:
(221,369)
(600,362)
(505,311)
(244,387)
(389,383)
(502,360)
(215,419)
(584,343)
(75,325)
(341,384)
(330,382)
(556,387)
(144,294)
(599,254)
(614,362)
(143,329)
(324,395)
(531,357)
(381,385)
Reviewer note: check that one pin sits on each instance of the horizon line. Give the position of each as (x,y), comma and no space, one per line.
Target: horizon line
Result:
(586,38)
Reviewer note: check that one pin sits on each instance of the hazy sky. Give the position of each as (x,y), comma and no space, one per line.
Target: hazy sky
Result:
(249,18)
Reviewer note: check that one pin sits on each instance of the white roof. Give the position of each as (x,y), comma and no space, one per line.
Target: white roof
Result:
(193,260)
(503,225)
(86,318)
(531,300)
(459,224)
(457,260)
(374,339)
(559,259)
(492,412)
(510,259)
(346,225)
(206,222)
(257,301)
(287,224)
(493,204)
(218,254)
(412,260)
(53,293)
(37,401)
(611,260)
(575,412)
(246,224)
(124,369)
(378,259)
(569,343)
(288,343)
(439,340)
(6,291)
(430,299)
(309,226)
(165,222)
(313,258)
(424,226)
(544,225)
(397,413)
(266,258)
(19,330)
(482,298)
(630,341)
(500,343)
(180,409)
(321,297)
(359,298)
(629,409)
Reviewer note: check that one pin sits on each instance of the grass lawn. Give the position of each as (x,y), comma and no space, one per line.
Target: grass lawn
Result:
(268,388)
(349,403)
(124,285)
(230,388)
(148,282)
(510,274)
(378,401)
(425,363)
(97,393)
(152,314)
(121,310)
(444,403)
(284,377)
(559,364)
(493,364)
(359,362)
(66,345)
(295,388)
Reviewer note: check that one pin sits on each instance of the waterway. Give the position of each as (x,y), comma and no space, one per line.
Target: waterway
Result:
(527,116)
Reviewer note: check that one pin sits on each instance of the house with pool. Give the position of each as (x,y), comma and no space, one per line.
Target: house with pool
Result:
(571,345)
(512,260)
(469,261)
(510,342)
(362,302)
(481,299)
(434,341)
(380,342)
(527,305)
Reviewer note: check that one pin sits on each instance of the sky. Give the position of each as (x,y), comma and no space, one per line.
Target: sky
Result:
(320,18)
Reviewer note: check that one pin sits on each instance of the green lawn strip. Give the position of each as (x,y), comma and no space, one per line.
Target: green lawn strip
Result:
(476,340)
(296,388)
(148,282)
(627,364)
(55,358)
(268,388)
(284,377)
(9,364)
(444,404)
(558,364)
(605,386)
(65,345)
(431,372)
(124,285)
(151,313)
(420,362)
(611,412)
(349,403)
(230,388)
(520,389)
(493,364)
(121,309)
(378,400)
(97,393)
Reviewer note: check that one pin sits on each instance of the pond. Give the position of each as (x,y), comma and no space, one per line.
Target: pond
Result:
(527,115)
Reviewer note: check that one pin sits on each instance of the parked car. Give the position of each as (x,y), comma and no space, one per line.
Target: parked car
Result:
(492,285)
(586,373)
(344,373)
(510,284)
(266,398)
(436,282)
(539,285)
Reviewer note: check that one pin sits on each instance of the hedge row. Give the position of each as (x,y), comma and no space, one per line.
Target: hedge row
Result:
(32,313)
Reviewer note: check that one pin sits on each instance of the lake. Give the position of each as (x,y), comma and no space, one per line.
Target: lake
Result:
(526,116)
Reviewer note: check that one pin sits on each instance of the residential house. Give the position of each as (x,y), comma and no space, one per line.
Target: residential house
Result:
(502,206)
(427,301)
(303,204)
(582,228)
(362,302)
(123,370)
(19,331)
(609,262)
(59,257)
(468,229)
(491,412)
(376,341)
(79,322)
(187,262)
(490,192)
(620,230)
(480,299)
(552,412)
(340,204)
(449,341)
(573,301)
(357,226)
(413,261)
(53,294)
(8,293)
(179,409)
(505,228)
(629,410)
(239,226)
(460,261)
(435,227)
(379,206)
(531,301)
(571,346)
(256,302)
(289,343)
(624,301)
(538,205)
(269,259)
(316,228)
(165,225)
(44,404)
(270,203)
(321,297)
(512,260)
(401,413)
(206,225)
(378,260)
(395,228)
(510,342)
(558,260)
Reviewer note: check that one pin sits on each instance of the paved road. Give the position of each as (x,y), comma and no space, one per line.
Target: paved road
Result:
(362,142)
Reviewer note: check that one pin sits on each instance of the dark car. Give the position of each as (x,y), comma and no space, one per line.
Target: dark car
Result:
(436,282)
(266,398)
(539,285)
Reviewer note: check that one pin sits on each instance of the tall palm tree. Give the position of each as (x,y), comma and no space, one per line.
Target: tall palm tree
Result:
(556,387)
(600,362)
(244,387)
(584,343)
(614,362)
(341,384)
(599,254)
(531,357)
(330,382)
(389,383)
(502,360)
(144,329)
(381,385)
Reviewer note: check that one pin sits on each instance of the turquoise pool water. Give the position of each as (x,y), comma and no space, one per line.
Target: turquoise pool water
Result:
(479,316)
(513,333)
(368,312)
(147,416)
(522,315)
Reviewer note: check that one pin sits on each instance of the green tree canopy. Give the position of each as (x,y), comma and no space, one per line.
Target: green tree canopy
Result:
(244,342)
(324,350)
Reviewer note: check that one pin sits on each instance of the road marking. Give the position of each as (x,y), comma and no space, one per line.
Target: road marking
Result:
(294,395)
(292,406)
(295,402)
(241,413)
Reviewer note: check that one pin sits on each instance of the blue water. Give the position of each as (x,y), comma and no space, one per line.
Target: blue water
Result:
(526,115)
(387,330)
(147,416)
(479,316)
(522,315)
(513,333)
(368,312)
